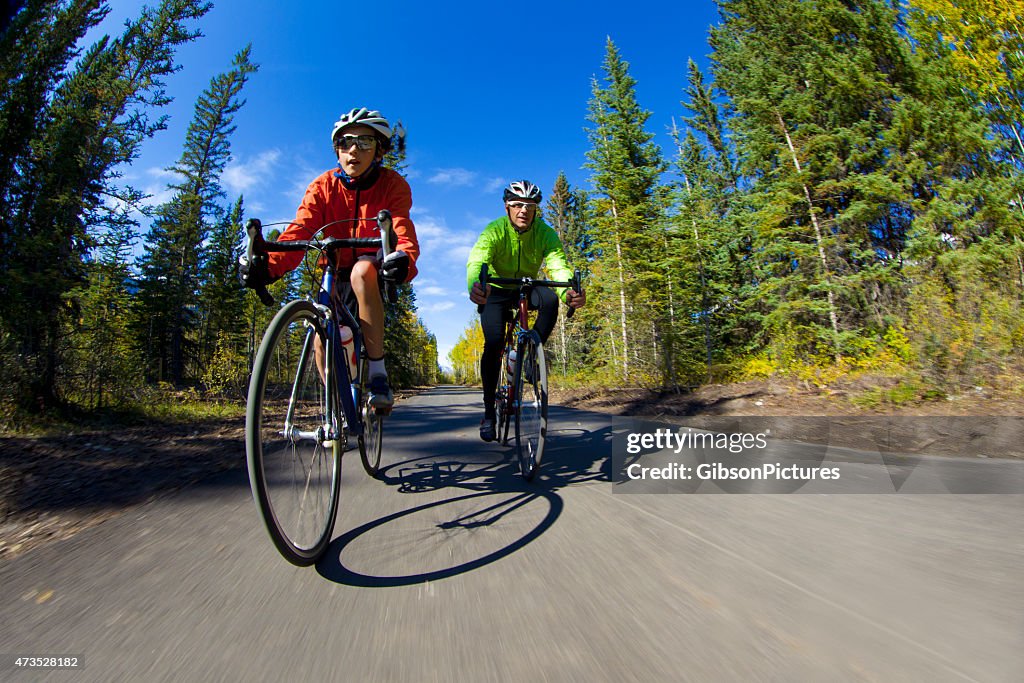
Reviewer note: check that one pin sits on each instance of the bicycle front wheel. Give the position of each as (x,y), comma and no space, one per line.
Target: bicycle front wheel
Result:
(294,439)
(531,384)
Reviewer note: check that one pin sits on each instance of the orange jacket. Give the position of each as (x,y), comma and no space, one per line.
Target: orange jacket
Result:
(328,200)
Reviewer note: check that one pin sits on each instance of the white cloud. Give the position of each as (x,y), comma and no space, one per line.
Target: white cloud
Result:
(441,242)
(454,177)
(431,290)
(241,176)
(494,184)
(439,307)
(460,253)
(161,173)
(428,228)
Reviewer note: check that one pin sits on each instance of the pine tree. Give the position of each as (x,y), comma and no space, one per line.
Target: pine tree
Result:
(566,212)
(94,120)
(628,207)
(962,151)
(105,359)
(222,330)
(410,349)
(174,259)
(813,88)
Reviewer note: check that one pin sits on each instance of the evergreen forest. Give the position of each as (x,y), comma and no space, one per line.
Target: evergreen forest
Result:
(844,194)
(844,197)
(105,301)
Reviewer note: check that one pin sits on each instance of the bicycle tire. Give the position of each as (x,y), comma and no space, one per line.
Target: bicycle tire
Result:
(532,401)
(294,469)
(371,439)
(503,411)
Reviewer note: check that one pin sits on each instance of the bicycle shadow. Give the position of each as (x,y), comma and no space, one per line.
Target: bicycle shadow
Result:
(490,492)
(332,567)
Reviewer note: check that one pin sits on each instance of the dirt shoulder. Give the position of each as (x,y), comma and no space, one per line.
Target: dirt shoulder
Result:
(979,423)
(54,486)
(765,398)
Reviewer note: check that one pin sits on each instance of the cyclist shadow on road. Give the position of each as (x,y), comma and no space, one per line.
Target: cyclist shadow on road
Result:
(488,492)
(577,451)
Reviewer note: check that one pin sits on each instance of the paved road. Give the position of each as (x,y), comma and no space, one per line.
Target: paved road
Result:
(452,569)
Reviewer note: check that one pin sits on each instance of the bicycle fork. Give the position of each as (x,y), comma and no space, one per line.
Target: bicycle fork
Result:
(324,433)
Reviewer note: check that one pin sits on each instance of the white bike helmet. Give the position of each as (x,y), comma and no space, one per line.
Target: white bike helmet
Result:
(522,190)
(366,117)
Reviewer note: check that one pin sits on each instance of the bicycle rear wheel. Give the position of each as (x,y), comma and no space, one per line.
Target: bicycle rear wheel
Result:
(531,383)
(371,440)
(294,439)
(502,401)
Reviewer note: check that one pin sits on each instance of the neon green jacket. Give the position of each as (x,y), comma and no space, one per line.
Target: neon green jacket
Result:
(508,253)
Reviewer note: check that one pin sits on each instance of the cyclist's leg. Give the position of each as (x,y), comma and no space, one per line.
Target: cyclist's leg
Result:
(366,286)
(545,302)
(493,316)
(343,291)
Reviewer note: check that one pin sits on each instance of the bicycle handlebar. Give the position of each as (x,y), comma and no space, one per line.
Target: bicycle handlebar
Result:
(258,245)
(528,282)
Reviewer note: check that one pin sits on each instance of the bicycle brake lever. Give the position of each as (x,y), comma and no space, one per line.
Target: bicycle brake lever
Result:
(264,295)
(575,288)
(387,233)
(254,229)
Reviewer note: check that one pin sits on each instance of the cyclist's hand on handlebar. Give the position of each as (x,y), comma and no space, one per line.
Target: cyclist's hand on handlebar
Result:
(576,299)
(256,274)
(479,295)
(395,267)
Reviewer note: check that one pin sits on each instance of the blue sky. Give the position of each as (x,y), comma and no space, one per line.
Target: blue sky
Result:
(488,92)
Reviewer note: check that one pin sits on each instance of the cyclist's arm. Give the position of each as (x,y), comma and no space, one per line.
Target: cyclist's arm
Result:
(556,264)
(310,213)
(479,255)
(399,203)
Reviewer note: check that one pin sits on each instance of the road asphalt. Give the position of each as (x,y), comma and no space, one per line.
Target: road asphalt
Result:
(451,568)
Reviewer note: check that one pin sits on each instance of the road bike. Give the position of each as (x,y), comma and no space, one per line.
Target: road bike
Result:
(308,395)
(522,392)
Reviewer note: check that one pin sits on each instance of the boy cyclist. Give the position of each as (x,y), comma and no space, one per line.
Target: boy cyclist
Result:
(359,188)
(514,246)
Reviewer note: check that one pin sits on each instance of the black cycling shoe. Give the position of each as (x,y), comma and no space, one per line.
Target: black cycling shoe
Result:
(487,432)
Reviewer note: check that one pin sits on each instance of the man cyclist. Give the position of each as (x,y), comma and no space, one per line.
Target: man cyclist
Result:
(514,246)
(359,188)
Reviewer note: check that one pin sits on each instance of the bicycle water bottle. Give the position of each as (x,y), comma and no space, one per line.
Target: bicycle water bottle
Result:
(512,363)
(348,347)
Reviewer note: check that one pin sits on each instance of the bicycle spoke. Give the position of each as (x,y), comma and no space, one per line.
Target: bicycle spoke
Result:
(531,416)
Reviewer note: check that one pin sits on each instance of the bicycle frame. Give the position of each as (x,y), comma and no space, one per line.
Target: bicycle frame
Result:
(347,386)
(335,314)
(515,328)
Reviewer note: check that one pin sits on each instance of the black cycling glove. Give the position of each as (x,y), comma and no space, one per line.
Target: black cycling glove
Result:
(256,274)
(395,267)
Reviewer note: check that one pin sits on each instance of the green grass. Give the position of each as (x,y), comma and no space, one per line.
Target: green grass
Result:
(159,407)
(907,392)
